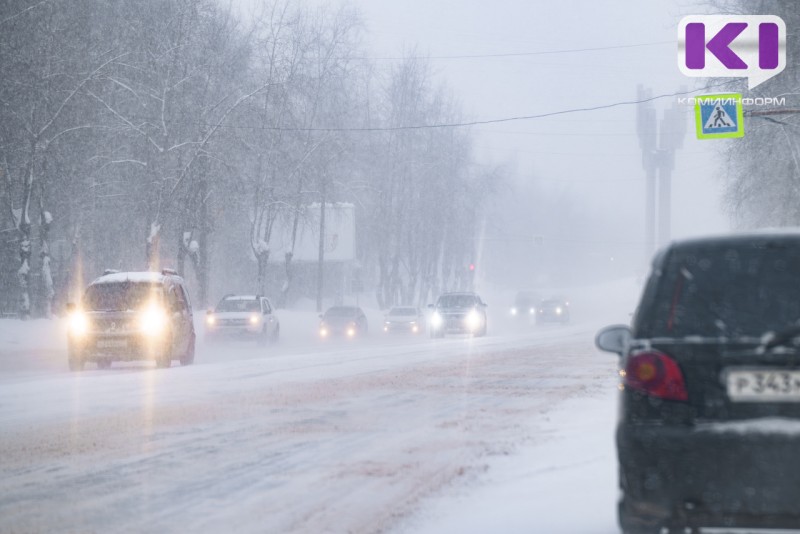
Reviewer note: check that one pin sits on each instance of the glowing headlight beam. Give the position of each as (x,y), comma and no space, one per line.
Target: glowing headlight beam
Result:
(473,320)
(78,324)
(153,321)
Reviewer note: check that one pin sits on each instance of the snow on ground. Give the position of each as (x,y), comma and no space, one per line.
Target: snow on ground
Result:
(562,482)
(382,434)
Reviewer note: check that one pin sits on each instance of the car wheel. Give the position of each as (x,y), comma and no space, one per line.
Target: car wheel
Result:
(76,364)
(263,337)
(276,334)
(164,360)
(188,357)
(632,523)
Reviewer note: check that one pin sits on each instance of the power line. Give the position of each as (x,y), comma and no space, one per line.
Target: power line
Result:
(455,124)
(514,54)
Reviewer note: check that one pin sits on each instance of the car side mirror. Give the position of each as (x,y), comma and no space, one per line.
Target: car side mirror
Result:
(70,307)
(614,338)
(209,311)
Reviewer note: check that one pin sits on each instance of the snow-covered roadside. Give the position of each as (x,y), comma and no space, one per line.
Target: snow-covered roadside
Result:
(563,483)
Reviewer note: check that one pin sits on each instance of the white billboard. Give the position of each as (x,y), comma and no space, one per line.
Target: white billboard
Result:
(340,234)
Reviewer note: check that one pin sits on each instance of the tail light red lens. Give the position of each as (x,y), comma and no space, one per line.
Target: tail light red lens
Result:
(657,375)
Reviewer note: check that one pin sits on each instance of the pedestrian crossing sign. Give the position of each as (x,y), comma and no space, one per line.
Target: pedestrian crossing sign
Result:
(719,116)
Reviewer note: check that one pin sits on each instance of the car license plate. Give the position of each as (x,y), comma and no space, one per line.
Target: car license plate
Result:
(111,343)
(763,385)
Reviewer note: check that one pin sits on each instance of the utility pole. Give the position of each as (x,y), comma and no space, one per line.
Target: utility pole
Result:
(658,140)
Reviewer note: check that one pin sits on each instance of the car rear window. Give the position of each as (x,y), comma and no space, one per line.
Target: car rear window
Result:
(120,296)
(724,289)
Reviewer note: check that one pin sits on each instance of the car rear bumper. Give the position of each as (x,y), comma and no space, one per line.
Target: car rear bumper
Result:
(702,476)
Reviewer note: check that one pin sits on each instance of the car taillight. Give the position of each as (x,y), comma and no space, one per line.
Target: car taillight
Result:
(656,374)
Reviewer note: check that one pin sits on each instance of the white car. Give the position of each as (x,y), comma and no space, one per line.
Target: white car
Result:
(243,316)
(404,319)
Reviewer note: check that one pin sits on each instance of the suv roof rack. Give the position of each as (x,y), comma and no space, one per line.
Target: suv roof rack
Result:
(166,272)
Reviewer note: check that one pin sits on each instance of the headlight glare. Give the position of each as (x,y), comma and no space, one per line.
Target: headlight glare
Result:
(473,319)
(78,324)
(153,321)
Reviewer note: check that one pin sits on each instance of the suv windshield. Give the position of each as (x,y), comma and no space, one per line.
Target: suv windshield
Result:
(727,289)
(457,301)
(238,305)
(403,311)
(341,312)
(120,296)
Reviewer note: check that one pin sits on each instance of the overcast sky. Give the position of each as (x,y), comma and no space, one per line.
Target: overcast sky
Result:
(595,156)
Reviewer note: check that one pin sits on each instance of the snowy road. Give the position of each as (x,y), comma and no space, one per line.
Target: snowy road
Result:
(385,434)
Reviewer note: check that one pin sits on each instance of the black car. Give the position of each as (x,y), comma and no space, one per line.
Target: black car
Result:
(348,321)
(553,310)
(458,313)
(132,316)
(709,428)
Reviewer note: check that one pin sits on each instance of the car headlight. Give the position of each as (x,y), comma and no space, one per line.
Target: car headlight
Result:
(78,324)
(436,319)
(473,319)
(254,319)
(532,311)
(558,311)
(153,321)
(351,331)
(323,330)
(513,311)
(211,320)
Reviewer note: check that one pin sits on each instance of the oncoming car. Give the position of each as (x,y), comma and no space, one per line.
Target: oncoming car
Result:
(348,321)
(525,305)
(554,310)
(132,316)
(404,319)
(458,313)
(243,316)
(709,420)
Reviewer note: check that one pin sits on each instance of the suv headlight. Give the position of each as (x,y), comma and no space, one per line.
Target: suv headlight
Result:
(78,324)
(153,321)
(254,319)
(436,319)
(473,319)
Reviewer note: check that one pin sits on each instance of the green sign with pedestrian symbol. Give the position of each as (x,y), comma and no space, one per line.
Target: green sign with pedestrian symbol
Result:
(719,116)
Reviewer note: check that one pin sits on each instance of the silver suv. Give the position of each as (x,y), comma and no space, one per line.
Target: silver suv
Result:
(126,316)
